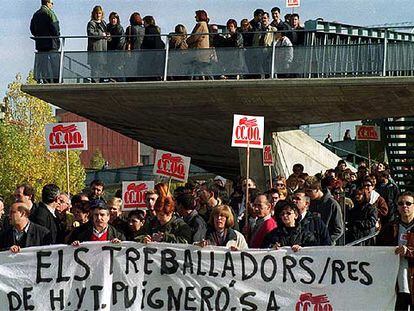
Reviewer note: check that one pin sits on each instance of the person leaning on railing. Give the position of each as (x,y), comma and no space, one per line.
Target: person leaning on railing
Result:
(98,37)
(45,23)
(199,39)
(117,43)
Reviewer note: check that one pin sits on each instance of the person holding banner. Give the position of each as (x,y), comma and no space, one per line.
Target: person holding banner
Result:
(97,230)
(262,210)
(23,233)
(400,233)
(221,232)
(136,220)
(290,232)
(166,227)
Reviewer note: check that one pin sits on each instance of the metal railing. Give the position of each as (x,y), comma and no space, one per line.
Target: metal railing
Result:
(309,61)
(364,239)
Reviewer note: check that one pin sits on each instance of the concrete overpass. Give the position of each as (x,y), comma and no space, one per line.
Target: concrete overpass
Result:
(194,118)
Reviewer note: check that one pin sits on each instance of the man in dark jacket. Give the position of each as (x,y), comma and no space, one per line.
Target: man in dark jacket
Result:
(326,206)
(44,23)
(281,25)
(22,232)
(309,221)
(45,214)
(186,208)
(97,230)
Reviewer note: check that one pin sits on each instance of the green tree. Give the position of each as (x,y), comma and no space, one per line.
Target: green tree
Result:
(97,160)
(23,155)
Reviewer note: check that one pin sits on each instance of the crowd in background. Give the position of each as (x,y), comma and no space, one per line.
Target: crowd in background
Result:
(142,33)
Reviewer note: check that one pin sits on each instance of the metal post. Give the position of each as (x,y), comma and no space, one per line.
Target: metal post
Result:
(384,65)
(272,70)
(167,49)
(311,55)
(62,51)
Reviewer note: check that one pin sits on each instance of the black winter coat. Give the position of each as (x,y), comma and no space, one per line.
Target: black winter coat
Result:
(44,23)
(36,236)
(289,236)
(361,221)
(152,39)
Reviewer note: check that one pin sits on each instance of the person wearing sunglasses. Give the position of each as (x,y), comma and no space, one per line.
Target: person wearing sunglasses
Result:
(289,233)
(400,233)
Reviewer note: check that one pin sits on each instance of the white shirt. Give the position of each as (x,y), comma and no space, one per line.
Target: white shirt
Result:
(402,279)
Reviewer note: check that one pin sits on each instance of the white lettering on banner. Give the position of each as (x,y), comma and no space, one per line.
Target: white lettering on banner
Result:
(132,276)
(60,135)
(247,131)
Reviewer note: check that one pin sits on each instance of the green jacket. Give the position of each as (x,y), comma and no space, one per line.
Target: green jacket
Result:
(175,231)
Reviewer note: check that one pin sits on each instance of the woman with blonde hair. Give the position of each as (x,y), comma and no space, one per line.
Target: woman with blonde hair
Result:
(221,232)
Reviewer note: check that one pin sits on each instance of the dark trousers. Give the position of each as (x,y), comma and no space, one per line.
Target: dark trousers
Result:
(403,302)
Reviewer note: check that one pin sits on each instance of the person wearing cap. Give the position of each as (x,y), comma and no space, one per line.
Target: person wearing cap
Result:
(290,232)
(97,230)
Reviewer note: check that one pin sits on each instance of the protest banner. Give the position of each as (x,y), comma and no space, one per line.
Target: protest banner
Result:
(292,3)
(133,194)
(66,136)
(173,165)
(267,155)
(157,276)
(268,161)
(61,136)
(248,132)
(368,133)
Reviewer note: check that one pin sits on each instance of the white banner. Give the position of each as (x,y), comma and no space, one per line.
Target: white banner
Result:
(172,165)
(133,194)
(132,276)
(247,131)
(73,134)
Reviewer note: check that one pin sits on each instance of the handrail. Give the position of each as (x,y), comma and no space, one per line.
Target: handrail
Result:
(365,238)
(166,34)
(346,151)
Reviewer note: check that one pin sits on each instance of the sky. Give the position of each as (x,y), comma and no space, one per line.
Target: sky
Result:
(17,49)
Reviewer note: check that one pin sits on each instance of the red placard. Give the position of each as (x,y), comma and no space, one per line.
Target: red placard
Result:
(133,194)
(73,135)
(267,155)
(292,3)
(172,165)
(368,132)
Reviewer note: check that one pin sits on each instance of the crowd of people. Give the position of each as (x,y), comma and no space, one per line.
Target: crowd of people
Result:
(337,207)
(142,33)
